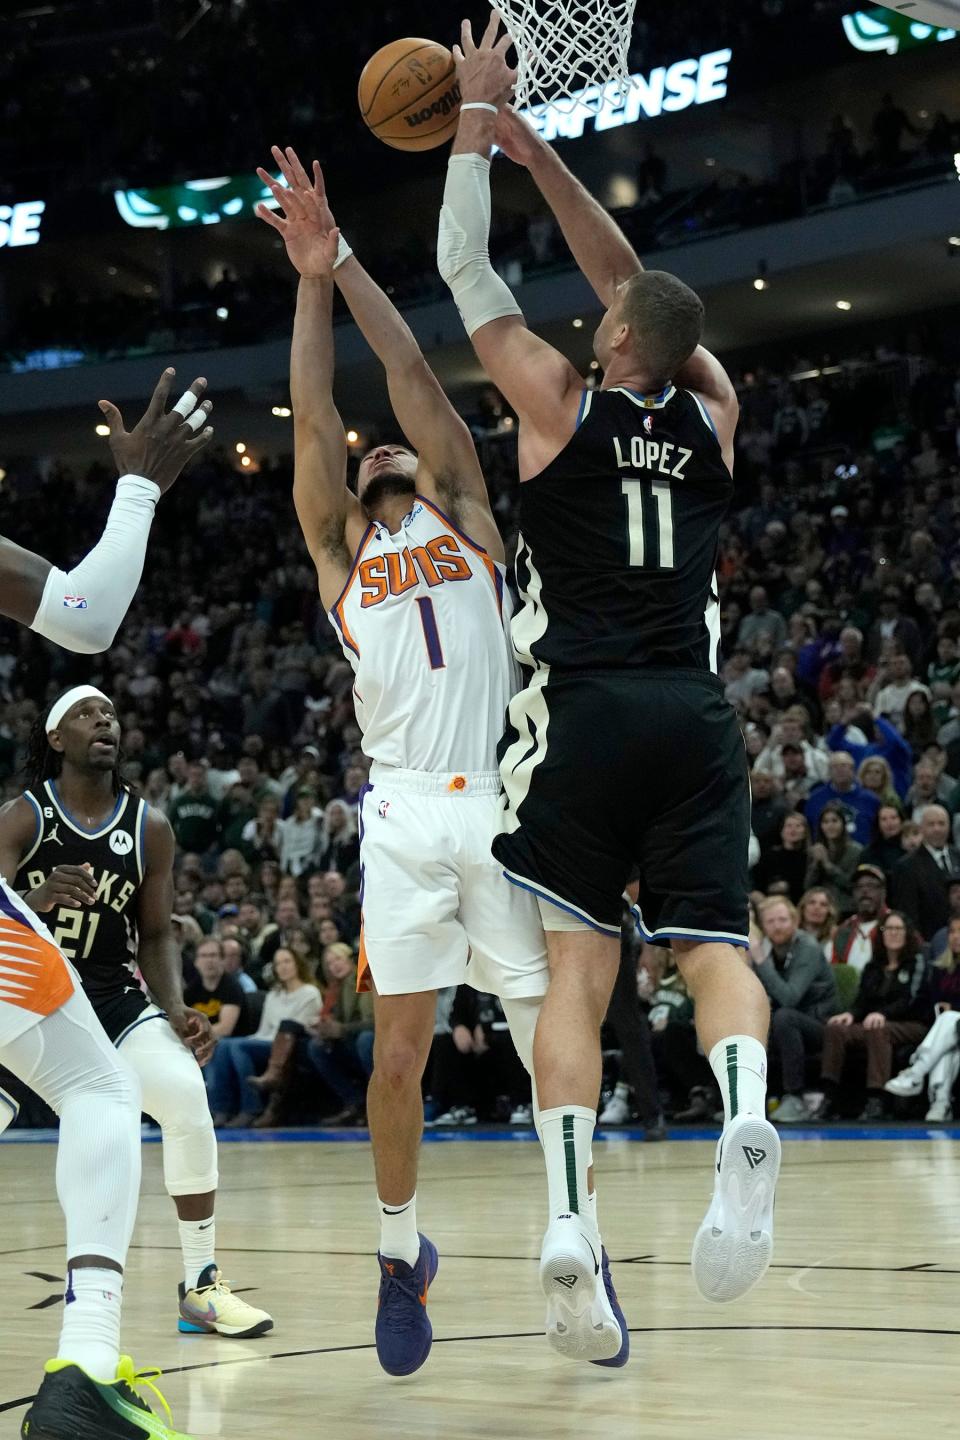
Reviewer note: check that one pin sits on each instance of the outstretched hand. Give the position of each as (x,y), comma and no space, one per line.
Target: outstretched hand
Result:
(482,69)
(162,441)
(307,226)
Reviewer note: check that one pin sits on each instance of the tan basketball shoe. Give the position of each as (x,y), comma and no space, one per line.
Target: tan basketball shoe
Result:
(211,1308)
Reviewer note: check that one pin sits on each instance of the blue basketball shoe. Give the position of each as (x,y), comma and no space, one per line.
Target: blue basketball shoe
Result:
(404,1333)
(623,1354)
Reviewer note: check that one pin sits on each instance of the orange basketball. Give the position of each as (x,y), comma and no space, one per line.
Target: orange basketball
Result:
(409,94)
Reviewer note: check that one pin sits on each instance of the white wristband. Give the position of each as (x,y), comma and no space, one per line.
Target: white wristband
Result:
(479,105)
(343,252)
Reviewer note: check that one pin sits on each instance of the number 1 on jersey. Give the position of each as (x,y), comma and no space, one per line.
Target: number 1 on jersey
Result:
(431,634)
(633,490)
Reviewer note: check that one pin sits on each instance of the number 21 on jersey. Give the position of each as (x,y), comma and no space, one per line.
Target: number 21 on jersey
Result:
(644,496)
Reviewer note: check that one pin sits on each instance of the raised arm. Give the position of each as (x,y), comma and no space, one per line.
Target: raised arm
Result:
(606,257)
(82,609)
(540,383)
(449,470)
(330,516)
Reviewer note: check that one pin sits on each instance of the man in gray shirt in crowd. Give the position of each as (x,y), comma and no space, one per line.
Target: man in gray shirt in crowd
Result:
(793,969)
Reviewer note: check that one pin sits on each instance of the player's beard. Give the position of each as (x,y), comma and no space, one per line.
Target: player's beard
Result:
(386,485)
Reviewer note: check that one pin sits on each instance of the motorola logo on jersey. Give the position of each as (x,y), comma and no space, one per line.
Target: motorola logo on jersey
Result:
(121,843)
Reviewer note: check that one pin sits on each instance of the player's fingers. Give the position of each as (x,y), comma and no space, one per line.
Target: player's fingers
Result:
(299,174)
(158,400)
(503,44)
(112,416)
(263,212)
(198,418)
(282,162)
(466,37)
(319,184)
(457,54)
(490,34)
(203,439)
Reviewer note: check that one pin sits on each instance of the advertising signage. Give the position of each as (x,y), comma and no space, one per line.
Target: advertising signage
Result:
(194,202)
(889,32)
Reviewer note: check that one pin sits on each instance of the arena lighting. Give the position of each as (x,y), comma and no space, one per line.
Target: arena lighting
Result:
(3,474)
(709,162)
(20,224)
(953,240)
(240,447)
(760,279)
(844,305)
(884,30)
(696,81)
(759,283)
(352,437)
(594,364)
(245,460)
(577,324)
(282,412)
(222,312)
(102,429)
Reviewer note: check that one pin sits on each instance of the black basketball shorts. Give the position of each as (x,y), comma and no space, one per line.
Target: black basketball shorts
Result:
(609,771)
(123,1010)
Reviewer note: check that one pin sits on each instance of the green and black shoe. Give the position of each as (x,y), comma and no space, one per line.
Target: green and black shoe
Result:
(71,1405)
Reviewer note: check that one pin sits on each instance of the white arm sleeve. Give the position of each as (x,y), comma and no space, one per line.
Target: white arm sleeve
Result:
(463,241)
(82,610)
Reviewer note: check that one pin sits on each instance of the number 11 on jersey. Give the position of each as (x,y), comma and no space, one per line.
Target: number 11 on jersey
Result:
(634,490)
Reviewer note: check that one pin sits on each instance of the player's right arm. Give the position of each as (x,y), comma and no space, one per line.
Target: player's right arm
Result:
(539,382)
(605,256)
(330,516)
(82,609)
(69,885)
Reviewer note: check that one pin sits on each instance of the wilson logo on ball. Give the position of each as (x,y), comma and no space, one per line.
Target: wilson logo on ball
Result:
(443,106)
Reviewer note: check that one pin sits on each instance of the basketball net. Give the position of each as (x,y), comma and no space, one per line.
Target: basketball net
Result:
(570,52)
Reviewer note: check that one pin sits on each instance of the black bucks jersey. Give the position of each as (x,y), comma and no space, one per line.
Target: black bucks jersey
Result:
(617,551)
(100,940)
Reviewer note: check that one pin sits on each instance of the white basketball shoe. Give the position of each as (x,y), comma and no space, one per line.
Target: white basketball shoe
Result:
(580,1324)
(734,1244)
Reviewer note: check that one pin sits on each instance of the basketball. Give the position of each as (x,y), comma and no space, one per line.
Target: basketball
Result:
(409,95)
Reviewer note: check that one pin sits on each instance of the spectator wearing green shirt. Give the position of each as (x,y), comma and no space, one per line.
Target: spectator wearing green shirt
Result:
(194,813)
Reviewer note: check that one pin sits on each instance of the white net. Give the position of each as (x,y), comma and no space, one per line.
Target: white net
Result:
(571,53)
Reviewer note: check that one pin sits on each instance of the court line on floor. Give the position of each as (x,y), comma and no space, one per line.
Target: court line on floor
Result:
(538,1335)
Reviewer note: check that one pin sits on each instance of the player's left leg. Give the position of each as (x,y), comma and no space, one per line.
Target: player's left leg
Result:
(173,1092)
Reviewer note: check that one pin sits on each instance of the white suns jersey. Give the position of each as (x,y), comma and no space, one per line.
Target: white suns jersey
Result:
(423,620)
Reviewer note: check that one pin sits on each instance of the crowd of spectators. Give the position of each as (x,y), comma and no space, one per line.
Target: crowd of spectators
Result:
(839,581)
(186,311)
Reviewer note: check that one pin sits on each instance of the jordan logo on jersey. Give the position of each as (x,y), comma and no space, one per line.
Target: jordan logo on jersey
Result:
(52,837)
(439,560)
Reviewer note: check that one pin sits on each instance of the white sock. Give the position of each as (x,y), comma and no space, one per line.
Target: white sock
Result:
(740,1065)
(198,1241)
(90,1336)
(590,1210)
(567,1137)
(398,1230)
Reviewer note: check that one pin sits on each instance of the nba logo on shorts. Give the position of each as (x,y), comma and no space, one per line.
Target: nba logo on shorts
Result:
(648,424)
(382,809)
(121,843)
(74,602)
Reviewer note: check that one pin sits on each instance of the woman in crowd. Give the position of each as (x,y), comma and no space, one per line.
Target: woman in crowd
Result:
(886,848)
(833,858)
(936,1061)
(919,726)
(876,776)
(819,917)
(785,866)
(892,1008)
(341,1044)
(294,996)
(337,845)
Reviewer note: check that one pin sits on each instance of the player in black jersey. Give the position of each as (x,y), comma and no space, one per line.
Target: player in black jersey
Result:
(622,748)
(97,862)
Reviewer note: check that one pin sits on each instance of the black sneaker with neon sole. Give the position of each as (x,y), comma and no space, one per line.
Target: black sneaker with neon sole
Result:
(71,1405)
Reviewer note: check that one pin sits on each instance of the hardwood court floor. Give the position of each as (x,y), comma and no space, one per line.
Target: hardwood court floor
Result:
(854,1332)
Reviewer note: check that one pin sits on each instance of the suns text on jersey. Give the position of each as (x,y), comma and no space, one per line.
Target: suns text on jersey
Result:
(439,560)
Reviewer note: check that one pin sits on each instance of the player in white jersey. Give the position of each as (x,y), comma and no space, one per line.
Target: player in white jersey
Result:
(50,1037)
(411,573)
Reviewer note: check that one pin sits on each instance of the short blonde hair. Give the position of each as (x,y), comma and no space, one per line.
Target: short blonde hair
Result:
(771,900)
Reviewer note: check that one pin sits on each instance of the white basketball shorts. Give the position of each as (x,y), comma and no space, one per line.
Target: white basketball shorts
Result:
(437,909)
